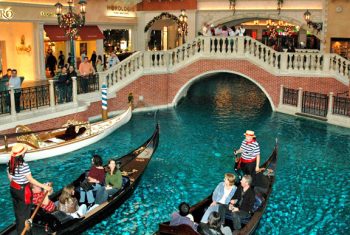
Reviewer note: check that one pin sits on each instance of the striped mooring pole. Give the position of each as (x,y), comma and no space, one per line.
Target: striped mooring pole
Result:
(104,102)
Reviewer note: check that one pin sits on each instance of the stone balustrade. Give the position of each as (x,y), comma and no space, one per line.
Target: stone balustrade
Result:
(305,63)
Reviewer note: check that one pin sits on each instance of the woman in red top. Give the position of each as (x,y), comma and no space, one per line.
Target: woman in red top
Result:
(96,177)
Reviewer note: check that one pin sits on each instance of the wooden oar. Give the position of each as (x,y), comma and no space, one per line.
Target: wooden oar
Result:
(29,221)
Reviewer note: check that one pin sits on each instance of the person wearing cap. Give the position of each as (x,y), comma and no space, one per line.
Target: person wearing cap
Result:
(113,182)
(250,158)
(20,176)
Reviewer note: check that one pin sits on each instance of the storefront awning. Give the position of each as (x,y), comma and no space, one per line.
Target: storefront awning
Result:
(86,33)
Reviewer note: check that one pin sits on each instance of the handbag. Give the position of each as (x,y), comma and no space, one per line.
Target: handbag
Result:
(86,185)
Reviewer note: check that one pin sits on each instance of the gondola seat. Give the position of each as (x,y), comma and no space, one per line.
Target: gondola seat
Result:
(165,228)
(58,220)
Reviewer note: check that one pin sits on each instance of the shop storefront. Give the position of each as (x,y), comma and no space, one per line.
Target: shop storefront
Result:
(341,46)
(29,30)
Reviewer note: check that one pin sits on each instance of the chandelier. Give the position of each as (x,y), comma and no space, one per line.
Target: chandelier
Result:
(71,20)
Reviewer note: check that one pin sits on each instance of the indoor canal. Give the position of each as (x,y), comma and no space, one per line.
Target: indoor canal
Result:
(311,194)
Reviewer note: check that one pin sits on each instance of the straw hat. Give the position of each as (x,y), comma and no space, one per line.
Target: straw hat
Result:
(249,133)
(18,149)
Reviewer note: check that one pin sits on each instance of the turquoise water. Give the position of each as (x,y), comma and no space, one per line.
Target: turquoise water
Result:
(311,194)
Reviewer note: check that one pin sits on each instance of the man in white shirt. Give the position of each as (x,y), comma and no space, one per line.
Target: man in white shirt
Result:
(113,60)
(16,83)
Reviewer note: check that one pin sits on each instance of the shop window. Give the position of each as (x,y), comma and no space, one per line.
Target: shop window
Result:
(116,40)
(341,46)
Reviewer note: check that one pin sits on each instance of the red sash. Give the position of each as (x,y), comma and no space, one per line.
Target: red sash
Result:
(248,161)
(27,191)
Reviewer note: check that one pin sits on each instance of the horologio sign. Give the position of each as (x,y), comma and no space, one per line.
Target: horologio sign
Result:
(6,13)
(121,8)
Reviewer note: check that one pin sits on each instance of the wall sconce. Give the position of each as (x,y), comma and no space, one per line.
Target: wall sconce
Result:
(310,23)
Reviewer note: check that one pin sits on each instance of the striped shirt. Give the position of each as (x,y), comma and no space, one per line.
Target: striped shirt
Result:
(250,151)
(20,174)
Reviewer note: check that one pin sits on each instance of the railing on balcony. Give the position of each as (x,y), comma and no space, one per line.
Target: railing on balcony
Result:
(4,102)
(87,84)
(290,96)
(315,103)
(34,97)
(341,106)
(63,92)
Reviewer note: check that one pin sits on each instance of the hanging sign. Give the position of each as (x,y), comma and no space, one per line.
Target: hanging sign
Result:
(6,13)
(121,8)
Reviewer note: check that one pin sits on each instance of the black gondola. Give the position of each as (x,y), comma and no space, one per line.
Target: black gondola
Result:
(59,223)
(198,209)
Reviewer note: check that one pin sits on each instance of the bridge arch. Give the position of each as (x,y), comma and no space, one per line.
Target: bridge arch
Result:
(182,92)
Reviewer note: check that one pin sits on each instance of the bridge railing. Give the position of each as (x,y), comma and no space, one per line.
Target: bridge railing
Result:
(306,63)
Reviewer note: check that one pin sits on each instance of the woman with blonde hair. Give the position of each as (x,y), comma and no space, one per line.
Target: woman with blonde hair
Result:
(69,204)
(221,195)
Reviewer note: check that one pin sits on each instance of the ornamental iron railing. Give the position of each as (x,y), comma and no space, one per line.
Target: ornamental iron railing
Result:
(315,103)
(290,96)
(33,97)
(341,106)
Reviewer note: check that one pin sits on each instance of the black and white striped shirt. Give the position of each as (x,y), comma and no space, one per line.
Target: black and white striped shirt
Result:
(250,151)
(20,174)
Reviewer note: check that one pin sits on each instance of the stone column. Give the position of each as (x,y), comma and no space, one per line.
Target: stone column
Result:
(39,53)
(300,100)
(330,105)
(130,41)
(75,91)
(147,59)
(240,45)
(12,101)
(326,63)
(206,45)
(52,93)
(99,47)
(281,95)
(283,62)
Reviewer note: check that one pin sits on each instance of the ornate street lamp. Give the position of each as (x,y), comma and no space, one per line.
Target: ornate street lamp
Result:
(71,21)
(310,23)
(307,16)
(183,25)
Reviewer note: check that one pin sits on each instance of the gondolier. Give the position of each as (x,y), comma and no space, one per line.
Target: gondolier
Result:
(250,158)
(20,176)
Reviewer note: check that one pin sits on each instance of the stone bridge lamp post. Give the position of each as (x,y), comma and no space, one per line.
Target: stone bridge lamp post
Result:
(70,22)
(183,26)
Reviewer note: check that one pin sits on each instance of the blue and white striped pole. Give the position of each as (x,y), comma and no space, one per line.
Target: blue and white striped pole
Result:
(104,102)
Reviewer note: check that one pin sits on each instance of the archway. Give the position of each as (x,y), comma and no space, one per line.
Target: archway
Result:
(182,92)
(162,32)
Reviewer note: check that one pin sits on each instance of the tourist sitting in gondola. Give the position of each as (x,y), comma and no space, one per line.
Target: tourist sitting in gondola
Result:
(39,196)
(94,181)
(70,133)
(214,226)
(113,182)
(222,194)
(183,216)
(69,204)
(241,204)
